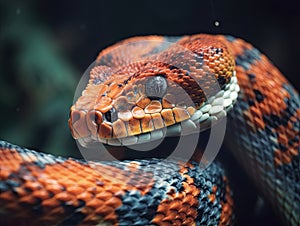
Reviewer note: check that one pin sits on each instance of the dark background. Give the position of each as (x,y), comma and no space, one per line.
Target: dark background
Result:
(47,45)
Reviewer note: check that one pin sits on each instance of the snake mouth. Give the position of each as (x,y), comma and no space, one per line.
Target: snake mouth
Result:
(90,127)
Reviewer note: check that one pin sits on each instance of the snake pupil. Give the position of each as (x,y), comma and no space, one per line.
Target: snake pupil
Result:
(111,115)
(156,87)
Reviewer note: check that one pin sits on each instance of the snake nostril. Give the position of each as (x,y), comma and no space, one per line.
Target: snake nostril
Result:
(111,115)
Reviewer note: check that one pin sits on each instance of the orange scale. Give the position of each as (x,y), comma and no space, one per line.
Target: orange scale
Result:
(65,182)
(111,217)
(211,198)
(104,106)
(91,219)
(86,170)
(125,115)
(255,112)
(7,196)
(94,190)
(105,130)
(273,107)
(114,186)
(277,161)
(37,174)
(293,119)
(86,184)
(4,173)
(178,196)
(264,109)
(105,210)
(185,208)
(143,102)
(51,203)
(21,191)
(153,107)
(32,185)
(41,194)
(78,123)
(158,122)
(134,127)
(188,199)
(286,158)
(85,196)
(294,150)
(189,221)
(113,202)
(190,181)
(57,212)
(95,203)
(163,207)
(71,174)
(175,205)
(180,114)
(168,117)
(290,128)
(170,216)
(167,103)
(87,211)
(75,190)
(194,202)
(121,103)
(119,129)
(29,199)
(64,196)
(165,223)
(226,208)
(114,91)
(185,185)
(93,119)
(214,189)
(104,195)
(283,139)
(138,112)
(259,123)
(47,181)
(192,212)
(158,219)
(195,191)
(250,94)
(181,216)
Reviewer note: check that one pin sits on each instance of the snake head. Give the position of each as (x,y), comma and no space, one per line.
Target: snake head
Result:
(162,86)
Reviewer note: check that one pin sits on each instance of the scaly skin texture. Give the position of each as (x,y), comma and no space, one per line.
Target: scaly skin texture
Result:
(40,189)
(263,134)
(264,129)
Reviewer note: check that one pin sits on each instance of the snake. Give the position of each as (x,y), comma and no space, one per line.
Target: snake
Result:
(152,88)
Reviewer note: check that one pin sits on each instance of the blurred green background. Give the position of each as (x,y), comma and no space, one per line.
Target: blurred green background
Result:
(45,47)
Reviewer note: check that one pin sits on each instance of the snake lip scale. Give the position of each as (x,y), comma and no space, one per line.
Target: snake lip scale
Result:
(143,89)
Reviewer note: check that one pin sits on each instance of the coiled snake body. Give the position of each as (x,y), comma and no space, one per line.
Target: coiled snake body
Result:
(136,89)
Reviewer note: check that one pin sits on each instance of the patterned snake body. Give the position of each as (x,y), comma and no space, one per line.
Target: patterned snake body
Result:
(131,96)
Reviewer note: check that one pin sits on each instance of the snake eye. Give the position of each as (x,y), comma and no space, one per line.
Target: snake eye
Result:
(156,87)
(111,115)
